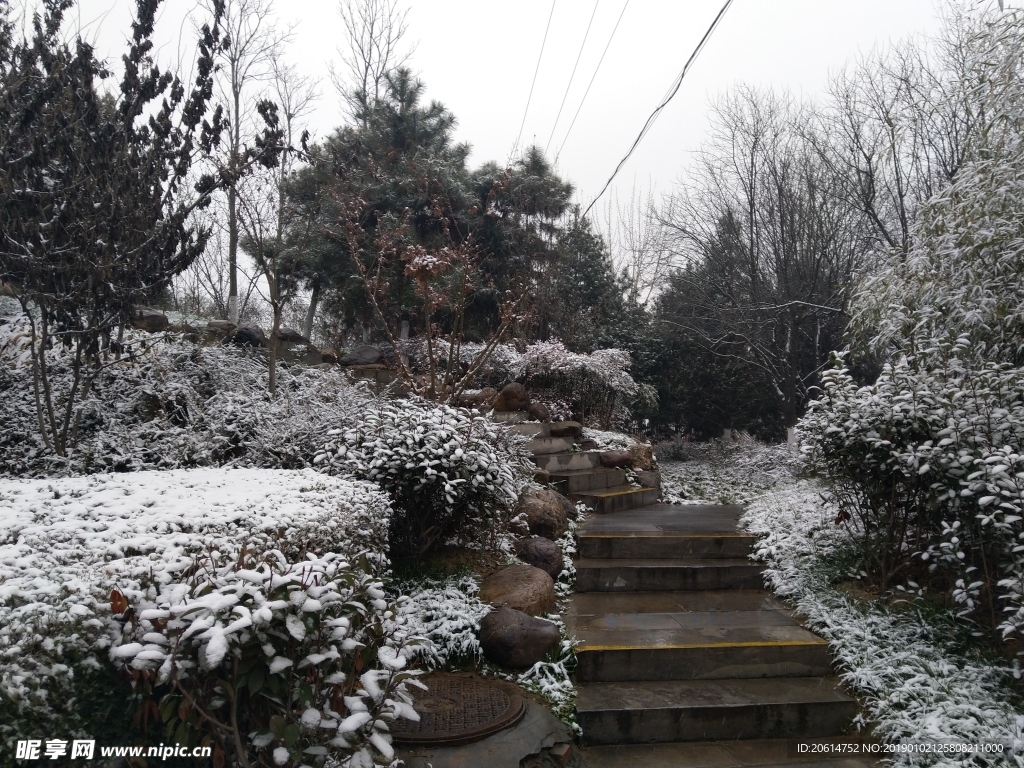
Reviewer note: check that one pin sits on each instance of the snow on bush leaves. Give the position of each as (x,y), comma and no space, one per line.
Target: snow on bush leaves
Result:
(447,470)
(914,687)
(926,463)
(262,654)
(66,543)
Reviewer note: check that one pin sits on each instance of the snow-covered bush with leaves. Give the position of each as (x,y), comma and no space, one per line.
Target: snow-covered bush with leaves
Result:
(925,462)
(926,467)
(907,664)
(67,543)
(447,613)
(273,661)
(449,471)
(172,404)
(595,385)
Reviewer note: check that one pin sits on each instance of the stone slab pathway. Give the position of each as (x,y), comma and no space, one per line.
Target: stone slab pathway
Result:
(685,659)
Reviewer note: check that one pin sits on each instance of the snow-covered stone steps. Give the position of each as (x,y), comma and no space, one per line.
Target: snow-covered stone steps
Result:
(643,712)
(566,462)
(617,499)
(762,753)
(531,429)
(662,574)
(572,481)
(543,445)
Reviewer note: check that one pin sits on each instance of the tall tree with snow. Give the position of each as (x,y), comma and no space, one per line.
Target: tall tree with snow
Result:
(98,196)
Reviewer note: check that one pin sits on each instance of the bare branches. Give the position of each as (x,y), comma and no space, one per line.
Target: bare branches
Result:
(374,31)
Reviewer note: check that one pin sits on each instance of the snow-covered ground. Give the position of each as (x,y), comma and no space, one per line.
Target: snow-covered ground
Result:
(899,659)
(724,472)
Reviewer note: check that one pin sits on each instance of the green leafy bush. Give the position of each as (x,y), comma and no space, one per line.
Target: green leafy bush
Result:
(274,662)
(927,469)
(448,471)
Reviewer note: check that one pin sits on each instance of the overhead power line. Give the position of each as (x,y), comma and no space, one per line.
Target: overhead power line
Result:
(664,102)
(535,71)
(596,70)
(566,95)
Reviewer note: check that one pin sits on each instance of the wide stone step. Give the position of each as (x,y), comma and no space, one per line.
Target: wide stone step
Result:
(583,480)
(696,646)
(669,518)
(542,445)
(750,753)
(509,417)
(531,429)
(659,545)
(596,575)
(567,462)
(707,710)
(617,499)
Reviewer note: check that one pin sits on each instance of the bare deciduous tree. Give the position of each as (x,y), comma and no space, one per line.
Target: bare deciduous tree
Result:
(374,31)
(636,241)
(262,205)
(247,62)
(767,248)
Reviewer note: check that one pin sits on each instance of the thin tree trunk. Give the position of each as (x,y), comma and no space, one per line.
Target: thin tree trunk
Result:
(314,299)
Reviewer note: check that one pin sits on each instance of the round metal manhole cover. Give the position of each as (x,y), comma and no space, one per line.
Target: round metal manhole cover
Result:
(457,710)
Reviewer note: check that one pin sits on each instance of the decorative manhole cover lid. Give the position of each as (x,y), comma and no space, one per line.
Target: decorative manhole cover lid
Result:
(458,709)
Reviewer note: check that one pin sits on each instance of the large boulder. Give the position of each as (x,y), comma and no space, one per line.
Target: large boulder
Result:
(481,398)
(642,455)
(512,639)
(522,587)
(538,412)
(541,553)
(570,429)
(547,512)
(364,354)
(150,320)
(649,478)
(248,335)
(616,459)
(513,397)
(291,336)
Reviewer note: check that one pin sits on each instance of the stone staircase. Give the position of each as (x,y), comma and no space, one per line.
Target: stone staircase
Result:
(684,659)
(576,474)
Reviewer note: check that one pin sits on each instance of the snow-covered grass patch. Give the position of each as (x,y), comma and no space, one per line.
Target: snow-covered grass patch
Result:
(67,544)
(726,472)
(915,682)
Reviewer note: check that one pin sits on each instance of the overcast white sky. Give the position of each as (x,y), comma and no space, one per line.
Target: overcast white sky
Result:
(478,57)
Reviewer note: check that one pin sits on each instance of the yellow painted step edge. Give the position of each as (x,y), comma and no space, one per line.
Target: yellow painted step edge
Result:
(674,647)
(659,535)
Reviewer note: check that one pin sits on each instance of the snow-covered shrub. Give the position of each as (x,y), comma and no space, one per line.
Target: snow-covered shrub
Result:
(448,614)
(927,470)
(925,462)
(175,405)
(907,666)
(293,661)
(594,385)
(449,471)
(67,543)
